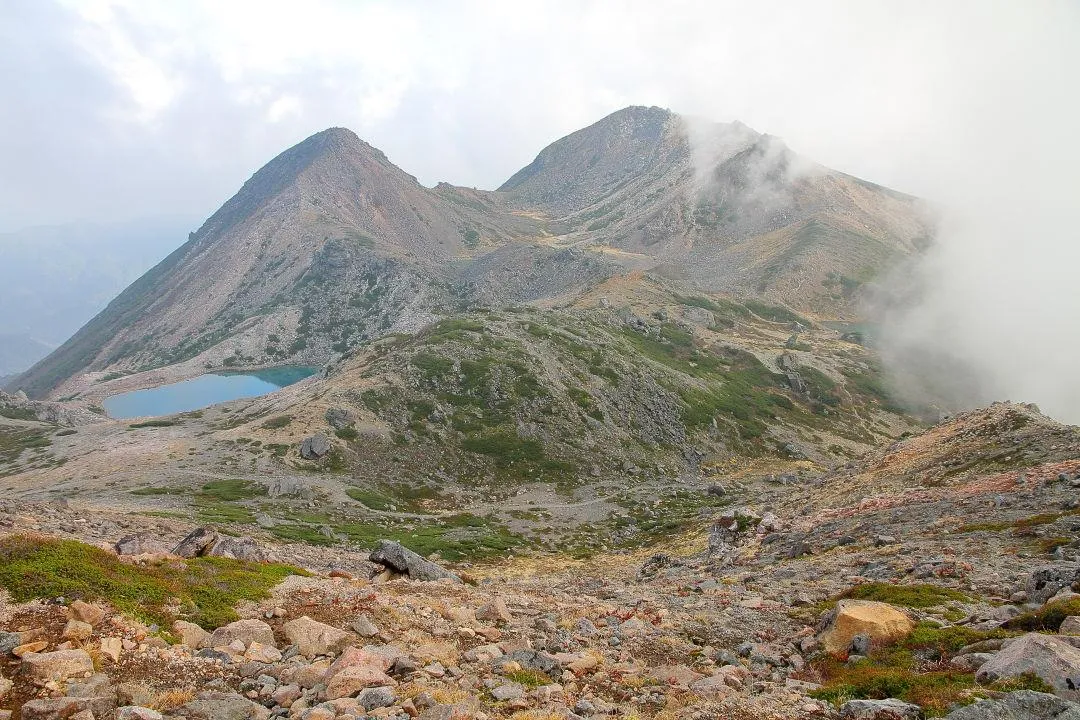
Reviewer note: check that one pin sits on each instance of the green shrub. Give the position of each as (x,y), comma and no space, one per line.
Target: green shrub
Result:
(152,424)
(276,423)
(207,588)
(913,596)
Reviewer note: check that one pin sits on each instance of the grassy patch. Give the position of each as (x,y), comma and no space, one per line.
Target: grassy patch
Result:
(913,596)
(276,423)
(152,424)
(773,313)
(1047,618)
(13,413)
(207,588)
(531,679)
(163,490)
(916,670)
(232,489)
(457,537)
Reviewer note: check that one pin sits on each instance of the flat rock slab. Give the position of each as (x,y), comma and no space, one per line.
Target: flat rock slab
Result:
(1056,662)
(1019,705)
(397,557)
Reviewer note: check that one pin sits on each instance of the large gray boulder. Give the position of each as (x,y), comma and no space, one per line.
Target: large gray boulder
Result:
(889,709)
(198,542)
(1019,705)
(1046,582)
(224,706)
(340,418)
(1054,661)
(140,544)
(400,559)
(237,548)
(315,447)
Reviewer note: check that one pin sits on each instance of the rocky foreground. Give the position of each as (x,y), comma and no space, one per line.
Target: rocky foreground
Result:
(937,577)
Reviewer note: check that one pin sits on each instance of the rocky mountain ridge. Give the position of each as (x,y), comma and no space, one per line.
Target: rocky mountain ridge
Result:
(330,245)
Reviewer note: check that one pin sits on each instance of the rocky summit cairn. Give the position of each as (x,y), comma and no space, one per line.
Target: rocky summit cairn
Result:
(400,559)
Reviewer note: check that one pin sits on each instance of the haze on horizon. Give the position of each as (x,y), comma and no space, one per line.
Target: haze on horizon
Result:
(121,109)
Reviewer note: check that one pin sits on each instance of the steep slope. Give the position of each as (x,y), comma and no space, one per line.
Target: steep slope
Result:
(721,206)
(328,244)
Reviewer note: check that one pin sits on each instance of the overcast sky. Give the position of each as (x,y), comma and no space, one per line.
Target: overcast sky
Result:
(114,109)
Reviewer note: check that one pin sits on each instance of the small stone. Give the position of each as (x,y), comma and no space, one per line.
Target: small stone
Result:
(375,697)
(110,648)
(29,648)
(363,627)
(77,630)
(90,614)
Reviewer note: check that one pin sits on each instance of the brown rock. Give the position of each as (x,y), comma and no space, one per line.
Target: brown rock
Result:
(246,631)
(315,638)
(192,635)
(881,621)
(89,614)
(78,630)
(355,678)
(257,652)
(28,648)
(110,648)
(57,666)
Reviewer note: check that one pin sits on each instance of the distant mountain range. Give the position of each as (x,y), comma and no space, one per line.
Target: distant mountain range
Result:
(53,279)
(330,245)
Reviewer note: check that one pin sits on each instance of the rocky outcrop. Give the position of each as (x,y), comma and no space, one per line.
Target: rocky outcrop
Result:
(207,542)
(58,413)
(400,559)
(315,447)
(1019,705)
(1052,659)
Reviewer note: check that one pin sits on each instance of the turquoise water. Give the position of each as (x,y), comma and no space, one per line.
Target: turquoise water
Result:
(203,391)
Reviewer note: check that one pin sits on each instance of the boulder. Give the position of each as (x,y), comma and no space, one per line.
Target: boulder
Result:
(87,613)
(191,634)
(399,558)
(5,687)
(135,712)
(1052,659)
(237,548)
(354,678)
(198,542)
(882,622)
(1070,626)
(142,543)
(246,631)
(340,418)
(1046,582)
(494,612)
(315,638)
(57,666)
(66,707)
(224,706)
(1019,705)
(889,709)
(315,447)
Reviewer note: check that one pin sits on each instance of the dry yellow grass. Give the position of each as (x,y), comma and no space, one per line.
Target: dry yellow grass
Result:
(171,699)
